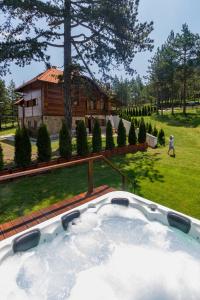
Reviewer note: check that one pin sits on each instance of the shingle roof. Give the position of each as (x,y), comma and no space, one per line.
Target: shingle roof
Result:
(51,75)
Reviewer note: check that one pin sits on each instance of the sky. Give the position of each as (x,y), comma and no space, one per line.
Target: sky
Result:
(167,15)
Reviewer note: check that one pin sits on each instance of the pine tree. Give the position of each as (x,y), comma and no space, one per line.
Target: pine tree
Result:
(142,132)
(1,158)
(109,136)
(121,137)
(61,20)
(81,139)
(65,144)
(96,137)
(132,139)
(161,137)
(43,144)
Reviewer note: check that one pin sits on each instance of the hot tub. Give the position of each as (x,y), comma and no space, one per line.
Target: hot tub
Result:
(117,247)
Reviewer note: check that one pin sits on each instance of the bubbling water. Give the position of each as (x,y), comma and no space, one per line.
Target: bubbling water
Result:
(112,255)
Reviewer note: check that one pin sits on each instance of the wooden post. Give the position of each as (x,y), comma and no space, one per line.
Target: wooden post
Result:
(90,177)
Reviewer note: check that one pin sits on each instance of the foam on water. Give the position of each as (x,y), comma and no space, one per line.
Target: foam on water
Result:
(113,255)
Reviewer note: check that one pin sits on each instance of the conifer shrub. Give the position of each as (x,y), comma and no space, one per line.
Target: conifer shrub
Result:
(121,137)
(150,129)
(155,131)
(109,136)
(43,144)
(65,143)
(96,137)
(23,148)
(142,132)
(161,137)
(26,147)
(132,138)
(81,139)
(1,158)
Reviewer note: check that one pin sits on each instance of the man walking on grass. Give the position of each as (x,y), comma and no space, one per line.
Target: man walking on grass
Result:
(171,145)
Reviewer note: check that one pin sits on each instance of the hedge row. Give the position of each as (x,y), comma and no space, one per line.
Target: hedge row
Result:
(44,152)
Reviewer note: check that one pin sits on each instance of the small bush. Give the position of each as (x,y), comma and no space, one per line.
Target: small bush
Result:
(23,148)
(81,139)
(1,158)
(161,137)
(150,129)
(109,136)
(65,144)
(155,131)
(96,137)
(142,132)
(132,139)
(121,137)
(43,144)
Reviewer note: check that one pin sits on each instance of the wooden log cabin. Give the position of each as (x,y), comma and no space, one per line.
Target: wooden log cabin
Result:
(42,100)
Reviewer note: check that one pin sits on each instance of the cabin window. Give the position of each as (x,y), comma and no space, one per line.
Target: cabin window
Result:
(31,103)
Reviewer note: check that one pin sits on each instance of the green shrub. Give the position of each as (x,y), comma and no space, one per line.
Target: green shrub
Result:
(1,158)
(109,136)
(132,139)
(23,148)
(43,144)
(155,131)
(96,137)
(142,132)
(65,144)
(26,147)
(150,129)
(161,137)
(121,136)
(81,139)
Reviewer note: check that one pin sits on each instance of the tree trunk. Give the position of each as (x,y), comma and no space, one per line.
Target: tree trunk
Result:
(67,64)
(184,94)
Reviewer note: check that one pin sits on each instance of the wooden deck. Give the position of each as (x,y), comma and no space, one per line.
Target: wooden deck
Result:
(20,224)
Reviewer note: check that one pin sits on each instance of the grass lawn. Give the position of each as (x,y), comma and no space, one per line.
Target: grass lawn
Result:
(174,182)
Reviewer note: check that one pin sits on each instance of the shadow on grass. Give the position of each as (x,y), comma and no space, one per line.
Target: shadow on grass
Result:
(137,167)
(190,120)
(26,195)
(23,196)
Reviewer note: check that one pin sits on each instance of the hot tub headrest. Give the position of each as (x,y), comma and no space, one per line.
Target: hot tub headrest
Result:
(120,201)
(26,241)
(66,219)
(178,221)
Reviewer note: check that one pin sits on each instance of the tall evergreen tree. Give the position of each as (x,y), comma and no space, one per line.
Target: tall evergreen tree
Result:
(43,144)
(187,47)
(96,137)
(109,136)
(26,148)
(142,132)
(121,136)
(81,139)
(132,138)
(65,144)
(101,38)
